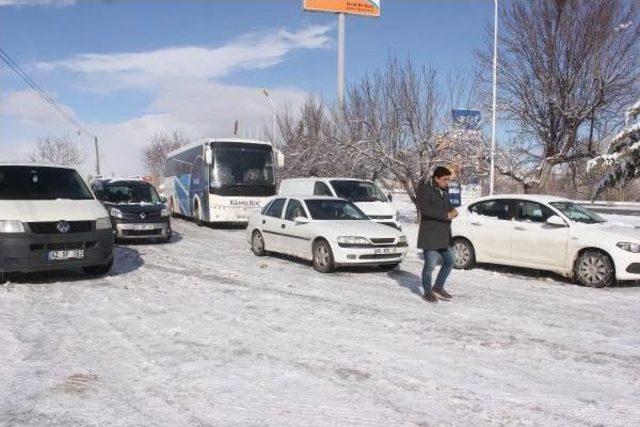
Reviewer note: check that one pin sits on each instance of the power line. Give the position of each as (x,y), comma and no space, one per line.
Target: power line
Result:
(34,86)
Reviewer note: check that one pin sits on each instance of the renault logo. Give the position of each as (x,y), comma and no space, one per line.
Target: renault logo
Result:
(63,227)
(143,215)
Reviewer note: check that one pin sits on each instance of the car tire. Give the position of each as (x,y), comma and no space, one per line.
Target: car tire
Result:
(389,267)
(165,239)
(323,260)
(464,255)
(4,277)
(594,269)
(257,244)
(98,270)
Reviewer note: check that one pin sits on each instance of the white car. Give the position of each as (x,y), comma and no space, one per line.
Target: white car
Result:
(546,233)
(366,195)
(330,232)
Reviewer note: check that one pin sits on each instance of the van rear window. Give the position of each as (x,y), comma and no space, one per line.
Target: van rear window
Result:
(41,183)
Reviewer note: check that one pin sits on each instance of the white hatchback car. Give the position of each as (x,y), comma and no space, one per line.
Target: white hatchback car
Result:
(330,232)
(546,233)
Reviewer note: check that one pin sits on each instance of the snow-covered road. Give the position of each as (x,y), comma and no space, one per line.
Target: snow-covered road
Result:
(200,332)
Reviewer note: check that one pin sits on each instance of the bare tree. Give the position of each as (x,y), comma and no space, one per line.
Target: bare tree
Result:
(398,120)
(564,66)
(155,154)
(57,150)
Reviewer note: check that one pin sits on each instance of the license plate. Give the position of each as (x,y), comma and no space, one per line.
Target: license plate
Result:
(65,255)
(143,227)
(384,251)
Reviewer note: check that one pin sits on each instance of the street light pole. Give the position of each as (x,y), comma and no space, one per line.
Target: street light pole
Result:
(95,143)
(341,58)
(275,113)
(495,90)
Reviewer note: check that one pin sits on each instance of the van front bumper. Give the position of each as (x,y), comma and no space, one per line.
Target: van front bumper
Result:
(27,252)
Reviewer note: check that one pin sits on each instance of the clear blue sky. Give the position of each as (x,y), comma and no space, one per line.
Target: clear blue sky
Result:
(52,41)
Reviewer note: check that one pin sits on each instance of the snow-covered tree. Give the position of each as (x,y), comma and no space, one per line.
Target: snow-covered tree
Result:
(621,162)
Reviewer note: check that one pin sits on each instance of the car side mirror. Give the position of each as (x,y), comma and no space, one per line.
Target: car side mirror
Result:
(301,220)
(390,197)
(208,156)
(163,199)
(556,221)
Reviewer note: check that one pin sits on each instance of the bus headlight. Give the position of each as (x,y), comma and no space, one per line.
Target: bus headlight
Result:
(116,213)
(7,226)
(103,223)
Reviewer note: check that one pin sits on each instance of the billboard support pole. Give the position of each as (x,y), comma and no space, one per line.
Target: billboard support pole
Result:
(341,58)
(495,90)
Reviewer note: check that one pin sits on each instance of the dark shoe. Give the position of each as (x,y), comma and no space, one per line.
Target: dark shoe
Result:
(442,294)
(430,297)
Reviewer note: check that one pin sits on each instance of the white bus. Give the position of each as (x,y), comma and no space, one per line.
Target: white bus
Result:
(220,180)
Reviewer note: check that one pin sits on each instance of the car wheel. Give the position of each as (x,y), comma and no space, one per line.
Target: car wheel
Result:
(464,254)
(3,278)
(323,257)
(257,244)
(389,267)
(594,269)
(165,239)
(98,270)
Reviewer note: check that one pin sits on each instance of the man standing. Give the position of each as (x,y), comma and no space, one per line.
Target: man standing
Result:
(434,236)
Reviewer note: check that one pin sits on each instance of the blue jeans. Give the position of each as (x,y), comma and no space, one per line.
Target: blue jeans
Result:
(430,261)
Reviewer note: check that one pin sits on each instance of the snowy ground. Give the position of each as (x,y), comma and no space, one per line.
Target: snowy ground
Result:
(200,332)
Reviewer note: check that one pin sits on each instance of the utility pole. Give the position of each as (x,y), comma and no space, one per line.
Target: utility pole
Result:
(95,142)
(341,58)
(492,173)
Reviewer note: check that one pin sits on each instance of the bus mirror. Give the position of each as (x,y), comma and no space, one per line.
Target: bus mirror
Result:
(208,156)
(279,158)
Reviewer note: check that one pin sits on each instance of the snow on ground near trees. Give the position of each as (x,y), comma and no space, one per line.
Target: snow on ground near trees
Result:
(200,332)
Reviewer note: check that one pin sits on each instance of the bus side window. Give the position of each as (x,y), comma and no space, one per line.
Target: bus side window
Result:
(321,189)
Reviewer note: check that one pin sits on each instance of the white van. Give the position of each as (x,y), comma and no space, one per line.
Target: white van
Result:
(50,220)
(366,195)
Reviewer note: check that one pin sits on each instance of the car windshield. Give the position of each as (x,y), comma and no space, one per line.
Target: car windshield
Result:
(358,191)
(128,192)
(334,210)
(41,183)
(577,213)
(241,164)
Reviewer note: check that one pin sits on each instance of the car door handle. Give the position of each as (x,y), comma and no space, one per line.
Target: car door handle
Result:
(519,228)
(282,225)
(476,223)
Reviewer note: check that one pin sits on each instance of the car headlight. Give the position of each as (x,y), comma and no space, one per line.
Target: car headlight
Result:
(116,213)
(103,223)
(629,247)
(353,240)
(11,226)
(165,212)
(402,239)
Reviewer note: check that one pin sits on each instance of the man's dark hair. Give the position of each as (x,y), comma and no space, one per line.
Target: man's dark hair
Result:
(441,171)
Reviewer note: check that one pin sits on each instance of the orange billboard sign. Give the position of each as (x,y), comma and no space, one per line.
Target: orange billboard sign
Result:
(356,7)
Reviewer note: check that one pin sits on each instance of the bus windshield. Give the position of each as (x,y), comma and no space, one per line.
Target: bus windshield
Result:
(242,165)
(41,183)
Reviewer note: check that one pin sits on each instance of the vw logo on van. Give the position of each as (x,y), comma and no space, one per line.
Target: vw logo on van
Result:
(143,215)
(63,226)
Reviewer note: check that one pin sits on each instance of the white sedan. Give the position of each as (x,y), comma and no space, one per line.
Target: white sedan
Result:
(330,232)
(546,233)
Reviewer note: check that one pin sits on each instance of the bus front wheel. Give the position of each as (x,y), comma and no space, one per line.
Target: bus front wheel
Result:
(197,214)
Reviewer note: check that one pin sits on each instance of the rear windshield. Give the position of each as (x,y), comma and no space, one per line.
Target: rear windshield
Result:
(41,183)
(359,191)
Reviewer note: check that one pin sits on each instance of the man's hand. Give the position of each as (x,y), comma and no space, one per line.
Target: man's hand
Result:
(453,213)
